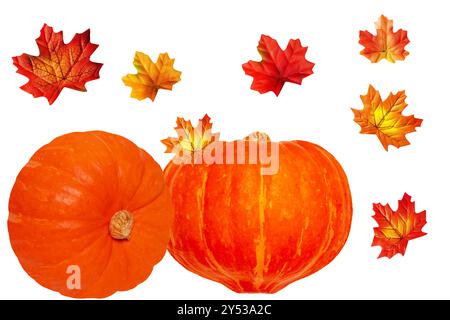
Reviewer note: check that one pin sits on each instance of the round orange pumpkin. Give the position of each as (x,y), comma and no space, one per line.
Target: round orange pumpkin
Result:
(257,232)
(90,215)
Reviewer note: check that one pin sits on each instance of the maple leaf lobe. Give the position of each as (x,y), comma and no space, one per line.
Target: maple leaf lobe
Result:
(277,66)
(385,118)
(396,228)
(58,65)
(151,76)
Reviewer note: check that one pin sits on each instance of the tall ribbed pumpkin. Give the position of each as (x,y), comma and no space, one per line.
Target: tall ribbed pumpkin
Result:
(254,232)
(89,215)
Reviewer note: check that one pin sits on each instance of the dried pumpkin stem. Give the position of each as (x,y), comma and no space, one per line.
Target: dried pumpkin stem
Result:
(258,137)
(121,225)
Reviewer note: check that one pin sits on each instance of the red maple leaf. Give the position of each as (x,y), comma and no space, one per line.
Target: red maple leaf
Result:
(277,66)
(58,65)
(396,228)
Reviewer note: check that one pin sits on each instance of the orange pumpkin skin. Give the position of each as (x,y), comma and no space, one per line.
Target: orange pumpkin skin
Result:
(259,233)
(62,213)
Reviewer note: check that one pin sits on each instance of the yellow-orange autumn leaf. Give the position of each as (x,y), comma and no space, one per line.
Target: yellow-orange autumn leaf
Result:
(385,119)
(386,44)
(151,76)
(189,138)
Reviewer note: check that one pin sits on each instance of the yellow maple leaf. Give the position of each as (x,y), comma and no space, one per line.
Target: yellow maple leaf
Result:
(385,119)
(151,76)
(191,139)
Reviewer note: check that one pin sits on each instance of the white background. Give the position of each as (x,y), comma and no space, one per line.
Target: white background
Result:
(210,40)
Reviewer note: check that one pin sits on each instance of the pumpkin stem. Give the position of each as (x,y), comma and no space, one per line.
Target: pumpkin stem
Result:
(121,225)
(258,136)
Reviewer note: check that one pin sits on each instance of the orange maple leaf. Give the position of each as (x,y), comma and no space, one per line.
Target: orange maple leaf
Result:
(190,139)
(58,65)
(151,76)
(385,119)
(386,44)
(396,228)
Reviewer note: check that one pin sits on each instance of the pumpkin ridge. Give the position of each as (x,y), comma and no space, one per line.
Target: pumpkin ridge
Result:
(310,148)
(96,134)
(233,284)
(22,216)
(52,265)
(282,272)
(321,153)
(87,234)
(167,171)
(236,284)
(274,285)
(107,264)
(260,248)
(139,186)
(326,240)
(290,271)
(209,254)
(246,274)
(174,245)
(28,223)
(149,202)
(334,164)
(42,283)
(65,171)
